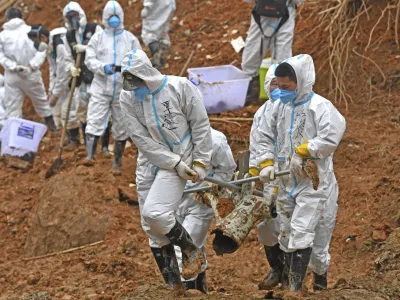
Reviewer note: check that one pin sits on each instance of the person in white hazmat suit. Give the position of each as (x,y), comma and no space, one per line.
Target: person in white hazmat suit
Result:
(275,34)
(304,126)
(166,119)
(156,16)
(59,65)
(79,33)
(22,62)
(268,231)
(195,217)
(2,109)
(104,53)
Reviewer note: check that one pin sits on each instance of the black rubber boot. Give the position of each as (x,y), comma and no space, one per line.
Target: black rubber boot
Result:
(119,147)
(192,257)
(91,145)
(276,268)
(165,50)
(299,260)
(156,54)
(168,265)
(320,281)
(105,141)
(253,92)
(50,124)
(200,283)
(73,139)
(286,269)
(83,126)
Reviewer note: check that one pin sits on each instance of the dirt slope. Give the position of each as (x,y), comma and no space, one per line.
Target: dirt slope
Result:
(366,164)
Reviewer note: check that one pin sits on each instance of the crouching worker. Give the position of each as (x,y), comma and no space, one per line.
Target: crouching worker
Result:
(167,121)
(302,126)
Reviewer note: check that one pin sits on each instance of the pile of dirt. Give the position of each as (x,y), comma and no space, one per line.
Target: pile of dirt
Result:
(69,212)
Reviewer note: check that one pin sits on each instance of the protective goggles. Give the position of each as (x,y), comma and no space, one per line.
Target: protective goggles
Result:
(131,82)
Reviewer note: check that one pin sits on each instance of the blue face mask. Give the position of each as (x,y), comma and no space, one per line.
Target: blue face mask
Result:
(275,94)
(75,23)
(141,93)
(288,96)
(114,22)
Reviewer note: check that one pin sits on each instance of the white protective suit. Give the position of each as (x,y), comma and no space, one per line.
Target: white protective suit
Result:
(169,125)
(195,217)
(82,93)
(157,15)
(2,108)
(106,47)
(16,49)
(60,62)
(268,231)
(307,216)
(280,44)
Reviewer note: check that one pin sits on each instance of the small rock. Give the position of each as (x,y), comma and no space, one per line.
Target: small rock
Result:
(379,235)
(33,279)
(186,32)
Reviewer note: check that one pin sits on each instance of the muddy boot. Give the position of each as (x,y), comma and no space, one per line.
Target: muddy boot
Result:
(83,126)
(276,268)
(105,141)
(285,271)
(119,147)
(320,281)
(299,260)
(51,125)
(156,54)
(165,50)
(200,283)
(253,92)
(91,145)
(192,257)
(73,139)
(168,265)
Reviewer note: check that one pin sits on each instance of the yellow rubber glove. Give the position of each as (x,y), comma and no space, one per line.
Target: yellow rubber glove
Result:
(302,151)
(198,164)
(267,163)
(254,171)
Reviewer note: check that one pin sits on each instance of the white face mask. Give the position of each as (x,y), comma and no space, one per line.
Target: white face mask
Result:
(43,47)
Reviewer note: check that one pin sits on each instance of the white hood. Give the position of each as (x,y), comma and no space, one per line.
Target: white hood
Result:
(56,31)
(137,63)
(268,78)
(113,8)
(74,6)
(16,23)
(303,66)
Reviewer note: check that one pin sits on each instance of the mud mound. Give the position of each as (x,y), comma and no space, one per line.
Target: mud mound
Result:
(388,257)
(69,212)
(33,296)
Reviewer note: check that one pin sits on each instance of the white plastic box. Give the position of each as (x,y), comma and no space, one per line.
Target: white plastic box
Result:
(223,87)
(19,137)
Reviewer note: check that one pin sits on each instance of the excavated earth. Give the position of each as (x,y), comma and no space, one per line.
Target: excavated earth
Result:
(89,206)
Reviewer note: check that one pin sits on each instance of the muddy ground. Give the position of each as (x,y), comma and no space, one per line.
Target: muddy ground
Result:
(81,206)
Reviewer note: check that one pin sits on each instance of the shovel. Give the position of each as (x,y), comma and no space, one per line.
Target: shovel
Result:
(58,161)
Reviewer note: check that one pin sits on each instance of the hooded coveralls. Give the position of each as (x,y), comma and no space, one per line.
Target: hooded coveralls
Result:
(307,216)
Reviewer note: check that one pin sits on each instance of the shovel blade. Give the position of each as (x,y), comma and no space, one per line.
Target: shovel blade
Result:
(53,168)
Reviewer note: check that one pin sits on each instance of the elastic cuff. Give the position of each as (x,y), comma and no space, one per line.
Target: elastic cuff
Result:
(254,171)
(178,163)
(199,164)
(267,163)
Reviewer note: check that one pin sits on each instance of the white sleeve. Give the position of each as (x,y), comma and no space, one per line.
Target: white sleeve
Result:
(4,60)
(136,43)
(266,134)
(37,61)
(157,153)
(222,161)
(199,124)
(253,137)
(63,75)
(91,60)
(331,126)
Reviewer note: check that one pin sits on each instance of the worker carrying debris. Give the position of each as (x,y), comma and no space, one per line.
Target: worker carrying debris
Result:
(268,231)
(156,16)
(302,126)
(22,69)
(166,119)
(104,54)
(271,27)
(194,216)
